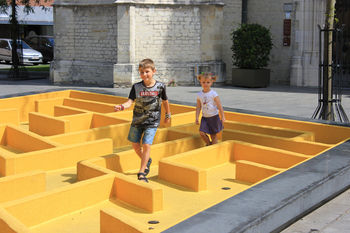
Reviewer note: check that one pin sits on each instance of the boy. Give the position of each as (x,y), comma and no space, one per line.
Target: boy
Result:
(147,95)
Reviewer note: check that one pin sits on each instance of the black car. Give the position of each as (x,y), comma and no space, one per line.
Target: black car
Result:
(43,44)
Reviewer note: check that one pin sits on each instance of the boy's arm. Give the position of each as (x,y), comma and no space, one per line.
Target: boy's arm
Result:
(122,106)
(166,106)
(198,110)
(221,109)
(167,111)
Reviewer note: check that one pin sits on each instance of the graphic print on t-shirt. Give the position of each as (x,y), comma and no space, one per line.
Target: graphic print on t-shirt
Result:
(209,107)
(147,104)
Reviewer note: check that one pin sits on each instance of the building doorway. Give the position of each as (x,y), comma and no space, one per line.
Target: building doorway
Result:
(341,51)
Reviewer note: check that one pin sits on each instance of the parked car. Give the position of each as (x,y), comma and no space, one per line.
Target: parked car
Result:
(25,52)
(43,44)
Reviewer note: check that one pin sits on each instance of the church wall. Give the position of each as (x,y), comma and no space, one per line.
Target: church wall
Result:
(270,14)
(183,39)
(85,44)
(169,35)
(232,20)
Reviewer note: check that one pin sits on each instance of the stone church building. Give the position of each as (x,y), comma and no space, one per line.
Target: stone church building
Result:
(100,42)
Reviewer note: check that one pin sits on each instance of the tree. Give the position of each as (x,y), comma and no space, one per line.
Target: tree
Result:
(327,69)
(28,8)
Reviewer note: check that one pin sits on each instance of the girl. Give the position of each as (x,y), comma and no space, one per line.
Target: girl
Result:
(209,101)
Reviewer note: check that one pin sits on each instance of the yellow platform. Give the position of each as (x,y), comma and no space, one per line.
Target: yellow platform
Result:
(66,164)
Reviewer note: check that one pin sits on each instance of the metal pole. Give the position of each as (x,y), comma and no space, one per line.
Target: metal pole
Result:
(14,37)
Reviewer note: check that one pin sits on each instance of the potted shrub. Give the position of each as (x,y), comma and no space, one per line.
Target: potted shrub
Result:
(251,48)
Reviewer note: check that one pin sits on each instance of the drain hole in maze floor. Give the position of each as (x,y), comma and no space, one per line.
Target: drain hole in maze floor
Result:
(153,222)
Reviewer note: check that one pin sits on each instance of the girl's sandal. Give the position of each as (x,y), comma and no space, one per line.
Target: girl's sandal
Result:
(142,176)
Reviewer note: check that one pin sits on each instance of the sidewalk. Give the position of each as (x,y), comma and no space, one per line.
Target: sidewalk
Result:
(333,216)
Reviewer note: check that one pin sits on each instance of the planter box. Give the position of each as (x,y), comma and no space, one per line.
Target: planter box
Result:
(250,77)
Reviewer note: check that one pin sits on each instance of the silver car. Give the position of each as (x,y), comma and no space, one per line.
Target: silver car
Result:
(26,55)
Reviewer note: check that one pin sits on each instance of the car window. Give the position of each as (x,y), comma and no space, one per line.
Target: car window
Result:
(24,44)
(3,44)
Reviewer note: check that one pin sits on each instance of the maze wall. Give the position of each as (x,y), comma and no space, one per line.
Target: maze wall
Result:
(66,164)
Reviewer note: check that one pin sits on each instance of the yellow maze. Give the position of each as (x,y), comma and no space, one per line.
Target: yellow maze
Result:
(66,165)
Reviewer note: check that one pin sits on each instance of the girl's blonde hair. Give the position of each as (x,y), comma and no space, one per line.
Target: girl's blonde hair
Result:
(207,75)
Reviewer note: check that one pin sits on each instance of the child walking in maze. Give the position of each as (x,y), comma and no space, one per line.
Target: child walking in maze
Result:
(209,102)
(148,96)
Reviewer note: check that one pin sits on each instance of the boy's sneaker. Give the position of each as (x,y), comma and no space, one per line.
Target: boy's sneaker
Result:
(147,169)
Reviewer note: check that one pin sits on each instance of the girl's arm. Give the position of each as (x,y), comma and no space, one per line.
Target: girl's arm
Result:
(167,111)
(221,109)
(198,110)
(122,106)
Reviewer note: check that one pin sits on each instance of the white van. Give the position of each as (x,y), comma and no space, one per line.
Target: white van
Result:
(29,55)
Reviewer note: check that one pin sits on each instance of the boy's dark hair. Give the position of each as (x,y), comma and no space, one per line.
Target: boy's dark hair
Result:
(147,63)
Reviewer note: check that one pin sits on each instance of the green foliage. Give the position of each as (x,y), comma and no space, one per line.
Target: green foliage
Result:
(251,47)
(45,67)
(28,5)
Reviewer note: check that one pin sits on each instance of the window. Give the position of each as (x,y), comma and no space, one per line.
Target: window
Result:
(4,44)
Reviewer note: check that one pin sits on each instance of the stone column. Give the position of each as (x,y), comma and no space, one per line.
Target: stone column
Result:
(305,60)
(125,70)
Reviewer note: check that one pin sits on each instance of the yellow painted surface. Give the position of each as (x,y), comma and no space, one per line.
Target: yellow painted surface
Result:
(302,147)
(67,166)
(61,177)
(267,130)
(102,98)
(46,125)
(62,157)
(42,207)
(23,141)
(252,172)
(89,105)
(64,110)
(26,104)
(112,221)
(47,106)
(9,224)
(9,116)
(115,132)
(22,185)
(323,133)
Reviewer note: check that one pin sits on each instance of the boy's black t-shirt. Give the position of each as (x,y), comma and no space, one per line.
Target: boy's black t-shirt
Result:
(148,101)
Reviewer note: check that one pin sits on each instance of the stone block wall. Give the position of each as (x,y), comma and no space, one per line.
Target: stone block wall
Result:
(178,36)
(85,44)
(169,35)
(101,42)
